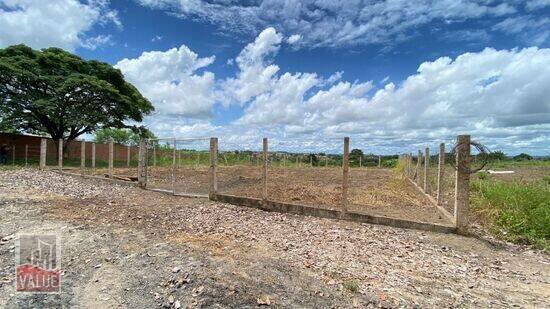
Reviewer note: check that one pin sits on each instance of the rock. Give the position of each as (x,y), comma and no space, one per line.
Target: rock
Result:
(177,304)
(176,269)
(170,299)
(264,300)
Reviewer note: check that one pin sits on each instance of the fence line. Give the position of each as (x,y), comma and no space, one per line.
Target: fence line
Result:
(461,204)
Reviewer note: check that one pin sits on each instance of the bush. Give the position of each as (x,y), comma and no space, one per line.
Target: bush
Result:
(517,212)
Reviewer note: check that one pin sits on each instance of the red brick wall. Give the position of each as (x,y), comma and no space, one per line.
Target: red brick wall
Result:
(72,150)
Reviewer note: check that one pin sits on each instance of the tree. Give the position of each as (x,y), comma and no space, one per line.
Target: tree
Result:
(57,93)
(354,156)
(523,157)
(497,155)
(122,136)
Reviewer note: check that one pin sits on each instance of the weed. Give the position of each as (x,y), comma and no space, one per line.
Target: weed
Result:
(518,212)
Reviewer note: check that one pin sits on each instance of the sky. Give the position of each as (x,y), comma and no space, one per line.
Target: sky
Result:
(395,76)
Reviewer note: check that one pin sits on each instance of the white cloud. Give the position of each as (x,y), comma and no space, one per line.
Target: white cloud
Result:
(336,23)
(255,75)
(293,39)
(532,5)
(480,93)
(62,23)
(169,79)
(94,42)
(533,30)
(498,96)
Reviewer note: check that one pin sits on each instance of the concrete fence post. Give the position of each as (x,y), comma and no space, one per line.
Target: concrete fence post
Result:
(43,149)
(418,167)
(174,167)
(26,154)
(128,155)
(440,172)
(462,186)
(154,155)
(426,170)
(142,165)
(213,168)
(60,155)
(345,176)
(82,156)
(111,154)
(361,161)
(93,157)
(408,165)
(264,170)
(379,161)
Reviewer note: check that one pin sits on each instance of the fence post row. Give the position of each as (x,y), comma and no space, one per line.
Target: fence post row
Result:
(345,176)
(82,156)
(264,169)
(462,186)
(60,155)
(213,168)
(111,153)
(426,169)
(440,172)
(43,143)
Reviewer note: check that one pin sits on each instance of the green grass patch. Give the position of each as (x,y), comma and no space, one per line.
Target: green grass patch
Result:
(514,211)
(512,164)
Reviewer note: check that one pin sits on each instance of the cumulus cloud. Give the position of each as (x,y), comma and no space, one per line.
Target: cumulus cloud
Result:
(498,96)
(481,93)
(61,24)
(340,23)
(171,81)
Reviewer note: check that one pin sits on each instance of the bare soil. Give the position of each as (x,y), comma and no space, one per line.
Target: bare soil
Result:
(372,191)
(126,247)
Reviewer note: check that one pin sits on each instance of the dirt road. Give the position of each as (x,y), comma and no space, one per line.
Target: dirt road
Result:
(125,247)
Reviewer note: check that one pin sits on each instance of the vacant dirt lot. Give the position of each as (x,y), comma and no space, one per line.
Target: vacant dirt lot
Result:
(372,190)
(125,247)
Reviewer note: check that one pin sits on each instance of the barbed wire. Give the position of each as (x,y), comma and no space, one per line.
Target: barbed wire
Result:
(484,155)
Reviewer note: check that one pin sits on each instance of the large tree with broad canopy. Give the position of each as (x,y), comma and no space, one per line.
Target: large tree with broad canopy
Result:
(52,91)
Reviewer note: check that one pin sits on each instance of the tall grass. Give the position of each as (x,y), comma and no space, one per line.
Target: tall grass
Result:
(517,212)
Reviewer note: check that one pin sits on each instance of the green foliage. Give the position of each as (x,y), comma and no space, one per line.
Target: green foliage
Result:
(122,136)
(497,156)
(351,285)
(483,175)
(523,157)
(355,156)
(389,163)
(518,212)
(55,92)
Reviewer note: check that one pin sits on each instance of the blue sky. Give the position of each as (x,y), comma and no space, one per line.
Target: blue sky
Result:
(394,75)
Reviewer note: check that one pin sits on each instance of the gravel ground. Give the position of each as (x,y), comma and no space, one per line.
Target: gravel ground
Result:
(155,249)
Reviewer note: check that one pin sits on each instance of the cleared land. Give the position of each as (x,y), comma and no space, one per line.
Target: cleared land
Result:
(372,191)
(121,246)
